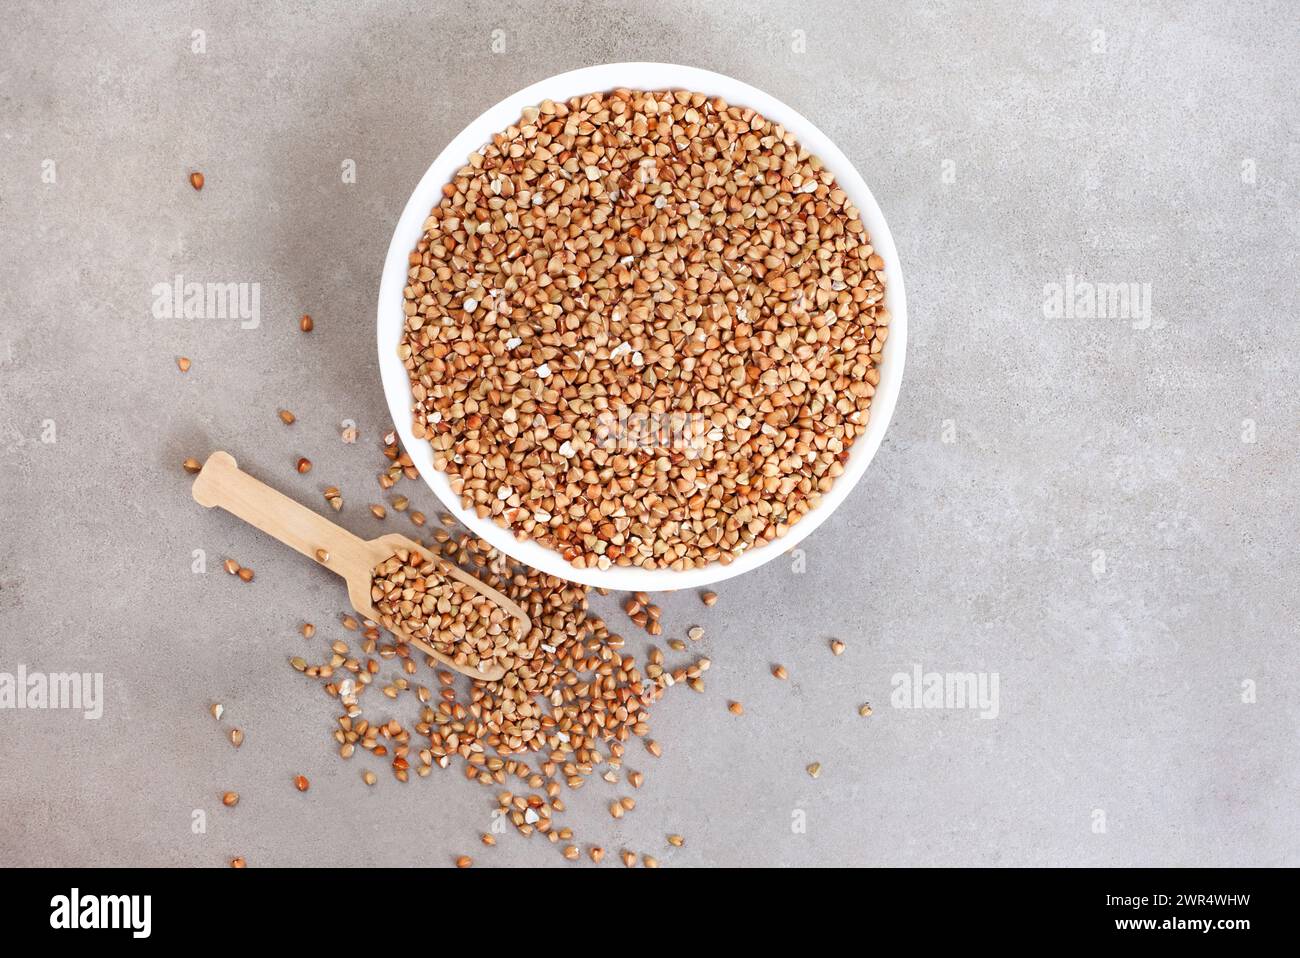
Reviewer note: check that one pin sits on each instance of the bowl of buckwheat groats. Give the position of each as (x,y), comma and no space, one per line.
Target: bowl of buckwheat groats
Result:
(641,326)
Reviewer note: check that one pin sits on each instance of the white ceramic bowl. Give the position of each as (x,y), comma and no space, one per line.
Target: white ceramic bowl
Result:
(637,76)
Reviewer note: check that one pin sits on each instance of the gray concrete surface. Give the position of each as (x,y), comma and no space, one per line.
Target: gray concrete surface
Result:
(1099,512)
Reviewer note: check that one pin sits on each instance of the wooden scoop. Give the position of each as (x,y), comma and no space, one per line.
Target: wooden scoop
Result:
(222,483)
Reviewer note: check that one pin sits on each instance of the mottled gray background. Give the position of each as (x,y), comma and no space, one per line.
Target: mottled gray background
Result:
(1110,528)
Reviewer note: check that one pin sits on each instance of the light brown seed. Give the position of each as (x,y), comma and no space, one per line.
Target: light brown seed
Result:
(653,747)
(709,598)
(231,566)
(322,555)
(417,518)
(779,672)
(230,799)
(570,852)
(245,574)
(400,503)
(238,863)
(629,859)
(236,737)
(301,783)
(837,647)
(464,861)
(695,633)
(304,465)
(735,708)
(308,630)
(649,862)
(287,417)
(378,511)
(306,324)
(864,710)
(815,769)
(597,854)
(369,777)
(183,363)
(196,180)
(192,465)
(676,841)
(487,839)
(217,709)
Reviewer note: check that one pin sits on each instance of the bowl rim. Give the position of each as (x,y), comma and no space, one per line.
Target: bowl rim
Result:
(642,76)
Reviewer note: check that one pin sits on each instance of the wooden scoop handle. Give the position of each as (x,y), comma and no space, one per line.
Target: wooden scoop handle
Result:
(222,483)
